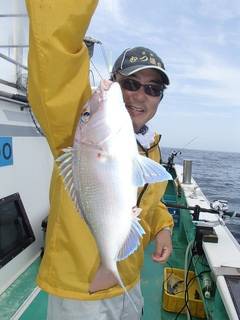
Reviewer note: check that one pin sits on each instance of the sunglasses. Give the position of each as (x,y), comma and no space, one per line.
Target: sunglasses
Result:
(153,90)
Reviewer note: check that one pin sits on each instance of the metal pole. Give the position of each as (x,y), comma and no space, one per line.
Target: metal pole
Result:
(13,61)
(25,105)
(187,171)
(14,15)
(13,97)
(14,46)
(9,84)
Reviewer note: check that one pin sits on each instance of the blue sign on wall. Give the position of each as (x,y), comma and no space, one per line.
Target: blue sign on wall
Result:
(6,151)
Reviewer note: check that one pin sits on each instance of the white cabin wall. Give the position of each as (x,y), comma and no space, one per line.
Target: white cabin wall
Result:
(30,176)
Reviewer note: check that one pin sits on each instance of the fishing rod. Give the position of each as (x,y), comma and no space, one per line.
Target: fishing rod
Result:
(189,142)
(170,161)
(205,231)
(220,210)
(173,154)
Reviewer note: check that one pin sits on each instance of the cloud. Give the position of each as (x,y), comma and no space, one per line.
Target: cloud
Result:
(108,14)
(208,75)
(199,44)
(220,10)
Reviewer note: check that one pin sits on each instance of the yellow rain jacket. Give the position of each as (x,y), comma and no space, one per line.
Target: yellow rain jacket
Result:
(58,89)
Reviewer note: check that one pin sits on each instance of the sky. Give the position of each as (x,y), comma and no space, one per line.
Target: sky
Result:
(199,43)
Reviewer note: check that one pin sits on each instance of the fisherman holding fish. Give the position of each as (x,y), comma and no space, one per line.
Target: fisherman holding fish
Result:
(105,193)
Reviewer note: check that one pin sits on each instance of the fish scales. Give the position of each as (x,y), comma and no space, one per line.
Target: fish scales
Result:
(106,172)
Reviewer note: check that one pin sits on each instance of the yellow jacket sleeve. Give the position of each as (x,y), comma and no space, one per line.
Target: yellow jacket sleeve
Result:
(58,66)
(154,215)
(160,218)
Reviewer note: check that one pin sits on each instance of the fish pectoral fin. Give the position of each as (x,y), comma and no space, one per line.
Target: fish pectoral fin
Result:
(148,171)
(133,240)
(65,166)
(104,279)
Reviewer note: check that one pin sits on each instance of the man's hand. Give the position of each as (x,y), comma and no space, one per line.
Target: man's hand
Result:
(163,246)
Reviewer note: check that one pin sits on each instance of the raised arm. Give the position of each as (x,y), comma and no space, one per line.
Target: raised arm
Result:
(58,83)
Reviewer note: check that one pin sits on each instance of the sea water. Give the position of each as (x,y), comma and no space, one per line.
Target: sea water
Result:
(217,173)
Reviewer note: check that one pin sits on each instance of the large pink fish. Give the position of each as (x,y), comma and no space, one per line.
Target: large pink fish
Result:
(102,173)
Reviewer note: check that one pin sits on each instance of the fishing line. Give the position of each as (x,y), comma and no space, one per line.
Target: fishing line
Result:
(174,153)
(108,66)
(105,58)
(93,77)
(99,74)
(193,139)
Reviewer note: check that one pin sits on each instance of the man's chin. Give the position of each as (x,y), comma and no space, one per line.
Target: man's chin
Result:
(137,127)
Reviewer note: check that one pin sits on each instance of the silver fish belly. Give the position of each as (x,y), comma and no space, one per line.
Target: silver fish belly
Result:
(102,172)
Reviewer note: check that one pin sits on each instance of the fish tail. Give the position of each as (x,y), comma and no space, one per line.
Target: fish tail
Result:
(117,275)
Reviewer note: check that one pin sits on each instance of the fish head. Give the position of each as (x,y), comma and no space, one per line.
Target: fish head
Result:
(104,115)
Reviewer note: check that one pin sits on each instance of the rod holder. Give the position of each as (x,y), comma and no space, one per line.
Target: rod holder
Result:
(187,171)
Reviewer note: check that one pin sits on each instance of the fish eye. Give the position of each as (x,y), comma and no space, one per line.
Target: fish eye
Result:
(85,117)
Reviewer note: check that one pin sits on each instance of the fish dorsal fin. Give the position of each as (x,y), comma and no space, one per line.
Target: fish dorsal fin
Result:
(148,171)
(133,240)
(65,166)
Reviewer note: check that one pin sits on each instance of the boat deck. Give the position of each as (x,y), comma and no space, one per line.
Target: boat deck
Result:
(33,303)
(23,300)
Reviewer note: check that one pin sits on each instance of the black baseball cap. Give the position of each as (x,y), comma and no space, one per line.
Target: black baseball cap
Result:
(136,59)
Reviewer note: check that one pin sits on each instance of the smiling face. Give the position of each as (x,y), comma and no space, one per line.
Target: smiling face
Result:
(141,106)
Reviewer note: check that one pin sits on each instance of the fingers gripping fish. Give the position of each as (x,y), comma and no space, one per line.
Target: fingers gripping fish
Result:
(102,172)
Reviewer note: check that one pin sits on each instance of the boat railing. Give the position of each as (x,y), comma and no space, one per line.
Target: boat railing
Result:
(5,57)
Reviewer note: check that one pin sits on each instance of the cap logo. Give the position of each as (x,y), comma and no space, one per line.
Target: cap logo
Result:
(139,58)
(153,61)
(144,58)
(133,59)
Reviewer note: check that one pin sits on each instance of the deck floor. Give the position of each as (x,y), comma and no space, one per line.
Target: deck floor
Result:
(152,287)
(152,280)
(152,277)
(37,309)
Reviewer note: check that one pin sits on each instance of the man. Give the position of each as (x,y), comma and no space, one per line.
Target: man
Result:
(143,79)
(58,89)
